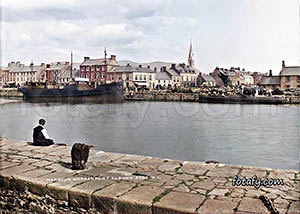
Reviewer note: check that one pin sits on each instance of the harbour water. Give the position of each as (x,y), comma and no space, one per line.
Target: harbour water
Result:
(253,135)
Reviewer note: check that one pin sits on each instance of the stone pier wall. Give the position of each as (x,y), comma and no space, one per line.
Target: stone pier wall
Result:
(10,92)
(196,97)
(186,97)
(39,180)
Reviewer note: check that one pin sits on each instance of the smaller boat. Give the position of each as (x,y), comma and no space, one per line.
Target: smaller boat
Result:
(241,100)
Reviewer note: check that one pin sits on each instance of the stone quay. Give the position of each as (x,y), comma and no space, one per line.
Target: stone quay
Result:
(37,179)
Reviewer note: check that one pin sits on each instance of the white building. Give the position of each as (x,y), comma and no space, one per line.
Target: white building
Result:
(163,80)
(144,77)
(19,74)
(249,80)
(175,77)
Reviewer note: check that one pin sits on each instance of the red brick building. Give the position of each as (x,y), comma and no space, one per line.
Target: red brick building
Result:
(289,76)
(1,77)
(95,69)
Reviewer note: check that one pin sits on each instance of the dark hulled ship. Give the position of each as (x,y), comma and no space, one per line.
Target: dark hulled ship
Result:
(78,89)
(111,92)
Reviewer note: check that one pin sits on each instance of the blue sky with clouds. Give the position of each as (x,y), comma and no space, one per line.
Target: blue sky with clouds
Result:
(253,34)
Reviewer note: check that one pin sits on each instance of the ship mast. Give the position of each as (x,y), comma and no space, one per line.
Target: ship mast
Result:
(31,69)
(71,66)
(105,65)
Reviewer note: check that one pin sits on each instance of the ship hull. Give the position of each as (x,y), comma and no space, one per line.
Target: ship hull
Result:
(240,100)
(112,92)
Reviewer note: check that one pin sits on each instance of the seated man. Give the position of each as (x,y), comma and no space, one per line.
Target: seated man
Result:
(40,136)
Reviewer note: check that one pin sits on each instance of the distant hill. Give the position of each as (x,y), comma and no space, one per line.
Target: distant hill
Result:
(155,64)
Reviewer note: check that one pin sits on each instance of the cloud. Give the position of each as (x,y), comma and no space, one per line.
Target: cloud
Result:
(253,34)
(33,4)
(116,32)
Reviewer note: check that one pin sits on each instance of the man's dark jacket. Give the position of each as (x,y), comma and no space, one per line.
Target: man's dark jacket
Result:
(38,137)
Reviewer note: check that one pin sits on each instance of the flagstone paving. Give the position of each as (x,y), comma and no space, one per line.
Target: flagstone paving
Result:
(120,183)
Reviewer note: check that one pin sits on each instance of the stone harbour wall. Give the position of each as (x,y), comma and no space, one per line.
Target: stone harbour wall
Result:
(37,179)
(10,92)
(16,201)
(196,97)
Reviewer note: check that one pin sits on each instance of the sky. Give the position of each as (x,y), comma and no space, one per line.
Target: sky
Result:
(252,34)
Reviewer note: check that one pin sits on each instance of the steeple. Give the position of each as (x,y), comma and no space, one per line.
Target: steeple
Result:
(190,57)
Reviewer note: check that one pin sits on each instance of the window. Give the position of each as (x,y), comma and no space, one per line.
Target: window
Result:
(144,77)
(120,77)
(298,78)
(287,79)
(127,76)
(136,77)
(150,77)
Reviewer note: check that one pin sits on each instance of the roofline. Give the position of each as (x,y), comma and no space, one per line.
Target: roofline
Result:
(291,67)
(285,75)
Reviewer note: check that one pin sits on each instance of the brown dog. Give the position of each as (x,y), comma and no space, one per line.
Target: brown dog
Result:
(80,155)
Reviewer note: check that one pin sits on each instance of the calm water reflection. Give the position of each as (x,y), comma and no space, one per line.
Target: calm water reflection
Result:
(261,135)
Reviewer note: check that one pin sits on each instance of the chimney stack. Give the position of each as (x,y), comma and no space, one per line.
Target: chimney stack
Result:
(148,66)
(173,66)
(86,58)
(113,57)
(155,69)
(283,64)
(11,63)
(270,73)
(163,69)
(140,66)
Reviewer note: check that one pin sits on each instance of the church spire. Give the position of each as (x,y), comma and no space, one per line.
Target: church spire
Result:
(190,57)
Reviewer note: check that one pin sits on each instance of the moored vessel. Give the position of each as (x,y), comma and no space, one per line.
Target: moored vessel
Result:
(111,92)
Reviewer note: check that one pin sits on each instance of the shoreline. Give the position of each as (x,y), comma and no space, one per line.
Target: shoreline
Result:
(191,97)
(202,98)
(122,183)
